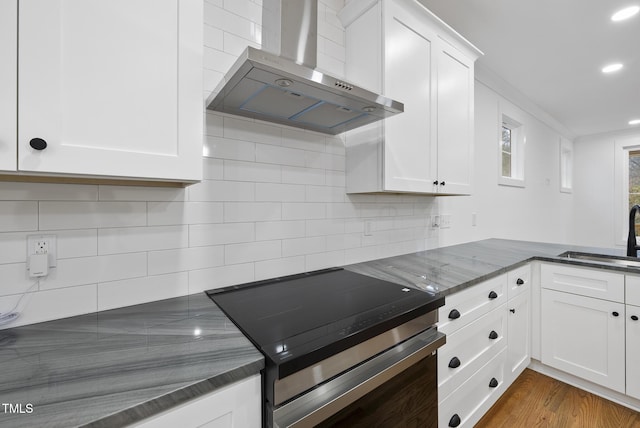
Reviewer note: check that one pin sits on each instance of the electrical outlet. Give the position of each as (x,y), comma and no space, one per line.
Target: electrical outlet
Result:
(43,245)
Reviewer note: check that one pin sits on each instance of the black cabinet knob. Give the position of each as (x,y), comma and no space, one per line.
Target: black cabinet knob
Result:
(38,144)
(435,183)
(614,313)
(442,183)
(493,382)
(513,311)
(634,317)
(454,363)
(493,295)
(493,335)
(519,281)
(454,421)
(454,314)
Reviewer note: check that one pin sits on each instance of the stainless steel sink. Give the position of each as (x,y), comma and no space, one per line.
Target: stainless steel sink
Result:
(602,259)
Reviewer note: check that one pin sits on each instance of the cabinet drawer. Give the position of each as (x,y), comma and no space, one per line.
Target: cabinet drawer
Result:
(468,305)
(470,348)
(474,397)
(518,281)
(632,293)
(596,283)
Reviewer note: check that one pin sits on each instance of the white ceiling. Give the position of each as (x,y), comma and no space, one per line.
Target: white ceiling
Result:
(553,50)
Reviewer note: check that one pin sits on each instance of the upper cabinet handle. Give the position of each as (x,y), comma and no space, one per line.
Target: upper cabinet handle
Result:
(442,183)
(615,314)
(454,314)
(519,281)
(493,295)
(435,183)
(38,144)
(634,317)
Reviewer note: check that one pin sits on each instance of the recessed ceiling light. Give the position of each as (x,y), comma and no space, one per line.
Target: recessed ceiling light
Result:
(634,122)
(611,68)
(625,13)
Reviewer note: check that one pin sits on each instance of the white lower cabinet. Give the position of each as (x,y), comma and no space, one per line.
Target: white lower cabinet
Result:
(488,346)
(633,351)
(234,406)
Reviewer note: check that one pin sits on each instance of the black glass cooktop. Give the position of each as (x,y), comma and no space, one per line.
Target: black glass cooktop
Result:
(299,320)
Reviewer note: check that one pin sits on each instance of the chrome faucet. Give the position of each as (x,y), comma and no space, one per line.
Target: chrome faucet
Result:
(632,246)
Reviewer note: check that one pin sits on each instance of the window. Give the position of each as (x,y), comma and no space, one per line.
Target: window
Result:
(627,185)
(566,165)
(512,148)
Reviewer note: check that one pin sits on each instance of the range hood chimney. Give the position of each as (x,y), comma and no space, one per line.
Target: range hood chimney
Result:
(281,84)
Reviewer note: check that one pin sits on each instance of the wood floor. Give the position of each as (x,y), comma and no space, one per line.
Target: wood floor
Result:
(536,400)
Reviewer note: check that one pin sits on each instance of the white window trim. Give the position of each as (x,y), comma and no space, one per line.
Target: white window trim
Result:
(621,187)
(566,169)
(513,117)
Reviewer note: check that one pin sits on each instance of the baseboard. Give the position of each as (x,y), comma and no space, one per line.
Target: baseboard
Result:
(585,385)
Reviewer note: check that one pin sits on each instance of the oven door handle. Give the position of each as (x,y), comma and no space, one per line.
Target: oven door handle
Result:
(329,398)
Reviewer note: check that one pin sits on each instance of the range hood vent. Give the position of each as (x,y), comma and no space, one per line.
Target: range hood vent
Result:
(280,83)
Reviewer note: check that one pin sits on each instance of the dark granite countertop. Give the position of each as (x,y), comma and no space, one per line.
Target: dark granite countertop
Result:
(450,269)
(112,368)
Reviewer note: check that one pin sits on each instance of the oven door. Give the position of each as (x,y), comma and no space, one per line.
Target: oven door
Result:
(399,387)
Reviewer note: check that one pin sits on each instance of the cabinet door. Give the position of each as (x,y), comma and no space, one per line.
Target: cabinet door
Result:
(455,121)
(113,88)
(583,336)
(8,83)
(518,336)
(408,161)
(633,351)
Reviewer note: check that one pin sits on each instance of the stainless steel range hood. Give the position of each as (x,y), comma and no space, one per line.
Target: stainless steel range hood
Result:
(280,83)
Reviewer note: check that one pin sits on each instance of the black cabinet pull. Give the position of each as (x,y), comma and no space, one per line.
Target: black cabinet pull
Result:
(493,295)
(634,317)
(493,382)
(519,281)
(454,421)
(435,183)
(454,363)
(38,144)
(614,313)
(493,335)
(442,183)
(454,314)
(513,311)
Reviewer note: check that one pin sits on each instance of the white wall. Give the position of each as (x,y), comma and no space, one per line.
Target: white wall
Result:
(595,197)
(272,202)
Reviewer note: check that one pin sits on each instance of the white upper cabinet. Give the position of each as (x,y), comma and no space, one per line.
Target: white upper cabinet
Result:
(8,83)
(408,54)
(113,87)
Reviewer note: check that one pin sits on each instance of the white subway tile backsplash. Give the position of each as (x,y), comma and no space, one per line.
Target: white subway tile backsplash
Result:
(231,23)
(252,251)
(251,130)
(225,148)
(185,259)
(122,266)
(245,8)
(280,155)
(212,169)
(85,215)
(304,140)
(76,243)
(297,175)
(13,247)
(301,246)
(215,190)
(251,171)
(47,192)
(324,227)
(207,279)
(335,178)
(72,272)
(252,211)
(128,292)
(15,279)
(235,45)
(134,193)
(325,194)
(18,215)
(216,60)
(303,211)
(279,267)
(51,304)
(324,260)
(214,124)
(342,242)
(268,230)
(134,239)
(217,234)
(268,192)
(174,213)
(213,37)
